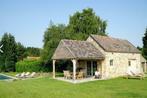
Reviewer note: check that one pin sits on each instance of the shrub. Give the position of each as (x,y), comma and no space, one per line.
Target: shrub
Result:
(29,66)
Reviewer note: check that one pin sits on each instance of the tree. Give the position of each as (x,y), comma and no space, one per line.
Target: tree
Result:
(87,22)
(139,48)
(80,26)
(32,51)
(51,40)
(8,57)
(144,39)
(20,51)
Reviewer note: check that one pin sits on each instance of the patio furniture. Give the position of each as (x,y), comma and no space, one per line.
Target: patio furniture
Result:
(139,76)
(67,74)
(84,72)
(80,75)
(32,75)
(17,75)
(27,74)
(132,73)
(22,75)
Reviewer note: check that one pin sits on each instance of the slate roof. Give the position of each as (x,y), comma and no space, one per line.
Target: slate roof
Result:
(68,49)
(110,44)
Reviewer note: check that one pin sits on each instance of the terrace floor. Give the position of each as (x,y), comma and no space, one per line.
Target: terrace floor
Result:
(88,79)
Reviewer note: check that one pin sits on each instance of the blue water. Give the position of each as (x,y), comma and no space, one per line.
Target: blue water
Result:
(3,77)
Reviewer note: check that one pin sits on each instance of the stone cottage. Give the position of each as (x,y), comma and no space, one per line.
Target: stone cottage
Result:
(110,56)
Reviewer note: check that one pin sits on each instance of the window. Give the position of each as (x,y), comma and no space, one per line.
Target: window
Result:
(111,62)
(129,63)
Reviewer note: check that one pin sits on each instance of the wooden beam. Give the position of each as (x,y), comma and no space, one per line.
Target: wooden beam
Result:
(145,67)
(74,61)
(91,68)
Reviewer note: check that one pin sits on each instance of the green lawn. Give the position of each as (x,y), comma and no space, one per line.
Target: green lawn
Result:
(50,88)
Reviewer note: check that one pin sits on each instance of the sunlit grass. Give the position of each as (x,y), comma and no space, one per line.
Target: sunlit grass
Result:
(50,88)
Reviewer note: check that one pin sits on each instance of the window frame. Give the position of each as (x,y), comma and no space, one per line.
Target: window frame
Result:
(111,62)
(129,63)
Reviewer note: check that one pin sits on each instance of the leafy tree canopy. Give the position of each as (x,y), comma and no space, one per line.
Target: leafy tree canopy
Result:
(20,51)
(8,58)
(52,37)
(32,51)
(87,22)
(13,52)
(144,39)
(81,25)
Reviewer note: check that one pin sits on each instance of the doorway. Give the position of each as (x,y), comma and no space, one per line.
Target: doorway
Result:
(91,67)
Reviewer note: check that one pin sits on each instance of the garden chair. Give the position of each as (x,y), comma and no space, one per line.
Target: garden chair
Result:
(67,74)
(17,75)
(132,73)
(80,75)
(27,74)
(22,75)
(32,75)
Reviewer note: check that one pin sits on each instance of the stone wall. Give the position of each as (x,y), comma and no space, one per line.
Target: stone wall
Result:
(120,62)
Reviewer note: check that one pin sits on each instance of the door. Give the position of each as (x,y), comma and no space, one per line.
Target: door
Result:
(91,68)
(88,68)
(94,67)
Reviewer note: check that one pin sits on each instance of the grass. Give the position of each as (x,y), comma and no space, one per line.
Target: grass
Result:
(50,88)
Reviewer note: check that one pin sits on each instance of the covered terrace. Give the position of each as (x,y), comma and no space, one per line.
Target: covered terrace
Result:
(76,51)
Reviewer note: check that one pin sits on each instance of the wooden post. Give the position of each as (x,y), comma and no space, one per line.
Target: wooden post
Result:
(145,67)
(91,68)
(74,69)
(54,68)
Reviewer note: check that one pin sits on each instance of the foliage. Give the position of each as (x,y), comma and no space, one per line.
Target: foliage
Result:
(87,22)
(13,52)
(29,66)
(144,49)
(139,48)
(80,26)
(64,65)
(8,58)
(32,51)
(51,39)
(51,88)
(20,49)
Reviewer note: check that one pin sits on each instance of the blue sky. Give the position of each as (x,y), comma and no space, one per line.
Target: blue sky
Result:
(28,19)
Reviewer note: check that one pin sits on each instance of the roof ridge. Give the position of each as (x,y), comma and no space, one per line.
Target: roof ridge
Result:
(73,40)
(108,37)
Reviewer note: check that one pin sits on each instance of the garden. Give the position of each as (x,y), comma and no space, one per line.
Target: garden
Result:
(49,88)
(16,58)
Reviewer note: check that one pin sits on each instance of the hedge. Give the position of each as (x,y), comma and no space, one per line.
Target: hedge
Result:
(29,66)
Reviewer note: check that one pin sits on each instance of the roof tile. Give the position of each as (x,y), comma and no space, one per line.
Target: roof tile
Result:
(114,44)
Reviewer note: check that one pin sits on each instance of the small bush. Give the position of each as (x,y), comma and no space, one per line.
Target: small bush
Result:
(29,66)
